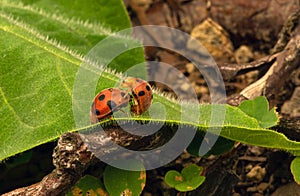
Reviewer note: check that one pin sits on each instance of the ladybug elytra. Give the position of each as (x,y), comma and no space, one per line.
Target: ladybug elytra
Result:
(141,93)
(107,102)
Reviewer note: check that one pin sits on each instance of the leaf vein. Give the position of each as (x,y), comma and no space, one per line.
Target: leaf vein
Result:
(13,110)
(38,35)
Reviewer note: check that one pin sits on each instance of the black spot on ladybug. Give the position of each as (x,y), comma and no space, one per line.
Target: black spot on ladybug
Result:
(97,112)
(148,88)
(101,97)
(141,93)
(111,104)
(133,94)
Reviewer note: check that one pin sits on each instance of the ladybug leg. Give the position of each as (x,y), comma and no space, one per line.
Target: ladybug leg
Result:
(122,111)
(134,110)
(127,94)
(128,115)
(126,84)
(93,119)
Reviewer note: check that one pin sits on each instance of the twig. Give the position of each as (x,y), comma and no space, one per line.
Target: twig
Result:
(286,62)
(70,159)
(286,31)
(283,64)
(71,156)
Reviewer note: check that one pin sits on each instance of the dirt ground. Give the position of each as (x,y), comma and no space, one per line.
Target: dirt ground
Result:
(235,32)
(238,34)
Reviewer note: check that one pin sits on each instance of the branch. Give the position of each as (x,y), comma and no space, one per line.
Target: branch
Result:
(283,64)
(70,158)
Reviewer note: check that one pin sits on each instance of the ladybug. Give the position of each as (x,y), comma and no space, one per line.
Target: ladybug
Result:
(107,102)
(141,94)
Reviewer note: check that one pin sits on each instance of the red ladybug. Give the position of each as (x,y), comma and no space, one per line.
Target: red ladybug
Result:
(140,91)
(107,102)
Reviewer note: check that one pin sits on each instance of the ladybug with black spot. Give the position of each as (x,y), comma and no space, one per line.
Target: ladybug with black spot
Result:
(107,102)
(141,93)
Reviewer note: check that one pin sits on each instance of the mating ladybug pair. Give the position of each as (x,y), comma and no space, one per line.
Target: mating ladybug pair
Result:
(135,91)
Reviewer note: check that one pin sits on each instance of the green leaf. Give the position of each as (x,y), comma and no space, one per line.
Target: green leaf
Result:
(191,171)
(119,181)
(173,178)
(88,185)
(76,26)
(295,168)
(221,146)
(66,21)
(237,125)
(40,56)
(111,13)
(190,184)
(189,179)
(22,158)
(41,51)
(259,109)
